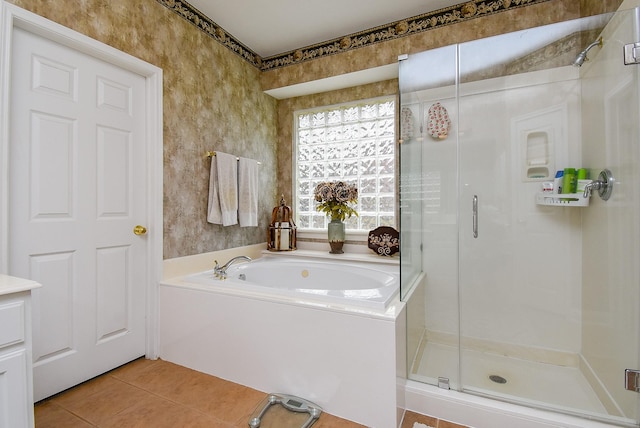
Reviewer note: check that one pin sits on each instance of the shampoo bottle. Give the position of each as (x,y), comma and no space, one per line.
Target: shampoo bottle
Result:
(557,182)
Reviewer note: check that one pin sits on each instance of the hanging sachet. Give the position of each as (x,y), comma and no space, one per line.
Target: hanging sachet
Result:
(438,122)
(406,124)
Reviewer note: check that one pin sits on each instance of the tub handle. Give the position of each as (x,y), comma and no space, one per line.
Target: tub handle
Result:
(475,216)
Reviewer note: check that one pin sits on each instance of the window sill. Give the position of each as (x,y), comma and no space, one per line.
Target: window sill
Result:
(353,236)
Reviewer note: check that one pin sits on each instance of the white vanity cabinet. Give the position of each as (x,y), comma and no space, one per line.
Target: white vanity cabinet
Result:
(16,379)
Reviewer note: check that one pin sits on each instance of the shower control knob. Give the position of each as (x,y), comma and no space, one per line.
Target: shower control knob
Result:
(604,185)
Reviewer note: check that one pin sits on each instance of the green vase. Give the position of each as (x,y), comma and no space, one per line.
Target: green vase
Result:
(336,236)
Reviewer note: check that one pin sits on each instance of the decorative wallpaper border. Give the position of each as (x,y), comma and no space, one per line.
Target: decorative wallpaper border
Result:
(200,20)
(410,26)
(428,21)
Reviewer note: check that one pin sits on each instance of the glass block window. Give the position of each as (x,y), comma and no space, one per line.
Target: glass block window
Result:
(354,143)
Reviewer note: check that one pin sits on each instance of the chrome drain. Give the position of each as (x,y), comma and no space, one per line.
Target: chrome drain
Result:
(497,379)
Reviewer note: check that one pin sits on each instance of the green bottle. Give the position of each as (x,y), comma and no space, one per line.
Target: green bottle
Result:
(582,180)
(569,181)
(582,174)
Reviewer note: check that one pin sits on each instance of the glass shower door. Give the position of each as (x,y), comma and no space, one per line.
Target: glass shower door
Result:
(424,167)
(520,267)
(531,275)
(611,229)
(429,204)
(527,302)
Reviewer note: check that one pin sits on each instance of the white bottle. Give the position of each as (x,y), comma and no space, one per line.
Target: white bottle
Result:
(557,182)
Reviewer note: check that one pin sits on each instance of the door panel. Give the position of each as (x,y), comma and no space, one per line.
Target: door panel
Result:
(78,125)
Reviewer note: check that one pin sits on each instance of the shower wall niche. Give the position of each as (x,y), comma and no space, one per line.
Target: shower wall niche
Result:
(519,297)
(537,134)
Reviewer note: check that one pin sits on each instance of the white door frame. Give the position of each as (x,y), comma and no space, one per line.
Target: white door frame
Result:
(11,17)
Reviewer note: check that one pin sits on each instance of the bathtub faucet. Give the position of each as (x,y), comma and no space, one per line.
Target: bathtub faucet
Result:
(220,272)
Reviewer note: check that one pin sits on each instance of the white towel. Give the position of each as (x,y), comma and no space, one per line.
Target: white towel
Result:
(214,213)
(248,192)
(223,190)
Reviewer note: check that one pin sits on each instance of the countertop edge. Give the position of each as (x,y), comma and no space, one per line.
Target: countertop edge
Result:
(12,284)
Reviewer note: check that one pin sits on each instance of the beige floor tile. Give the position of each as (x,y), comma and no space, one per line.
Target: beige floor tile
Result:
(50,415)
(157,412)
(113,397)
(217,397)
(133,369)
(227,401)
(86,388)
(162,377)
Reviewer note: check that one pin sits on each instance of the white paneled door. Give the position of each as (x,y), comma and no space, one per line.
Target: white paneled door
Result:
(77,159)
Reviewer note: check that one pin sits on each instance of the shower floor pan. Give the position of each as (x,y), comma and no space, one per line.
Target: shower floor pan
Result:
(544,383)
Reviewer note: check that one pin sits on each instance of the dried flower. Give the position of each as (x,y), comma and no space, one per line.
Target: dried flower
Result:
(334,199)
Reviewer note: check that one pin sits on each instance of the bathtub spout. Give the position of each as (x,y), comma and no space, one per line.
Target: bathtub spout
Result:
(220,272)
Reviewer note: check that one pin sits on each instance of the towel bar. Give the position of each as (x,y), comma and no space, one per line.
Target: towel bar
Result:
(211,154)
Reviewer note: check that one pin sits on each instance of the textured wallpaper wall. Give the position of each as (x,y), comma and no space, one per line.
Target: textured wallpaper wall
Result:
(212,101)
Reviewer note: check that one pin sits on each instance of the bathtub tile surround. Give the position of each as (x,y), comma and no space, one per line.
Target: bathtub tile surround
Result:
(348,366)
(276,343)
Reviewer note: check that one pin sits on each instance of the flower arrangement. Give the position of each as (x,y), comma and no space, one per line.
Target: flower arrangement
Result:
(335,199)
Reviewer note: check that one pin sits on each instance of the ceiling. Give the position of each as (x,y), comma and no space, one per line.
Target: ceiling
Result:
(273,27)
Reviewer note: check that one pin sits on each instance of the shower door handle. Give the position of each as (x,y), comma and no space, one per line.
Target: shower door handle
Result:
(475,216)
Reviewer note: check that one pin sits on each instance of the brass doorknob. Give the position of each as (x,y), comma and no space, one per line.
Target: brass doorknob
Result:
(139,230)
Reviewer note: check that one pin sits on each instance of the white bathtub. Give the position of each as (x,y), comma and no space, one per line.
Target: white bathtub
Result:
(335,347)
(355,284)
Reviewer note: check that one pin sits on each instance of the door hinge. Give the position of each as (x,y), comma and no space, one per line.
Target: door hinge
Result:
(632,53)
(632,380)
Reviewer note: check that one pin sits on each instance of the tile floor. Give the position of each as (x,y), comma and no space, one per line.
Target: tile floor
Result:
(146,393)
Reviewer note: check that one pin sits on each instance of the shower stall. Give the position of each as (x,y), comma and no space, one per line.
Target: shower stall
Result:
(515,293)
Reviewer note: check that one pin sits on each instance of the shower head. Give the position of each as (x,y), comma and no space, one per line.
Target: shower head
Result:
(580,59)
(582,56)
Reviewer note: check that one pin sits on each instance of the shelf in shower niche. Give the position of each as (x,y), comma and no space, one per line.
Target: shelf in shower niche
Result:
(562,200)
